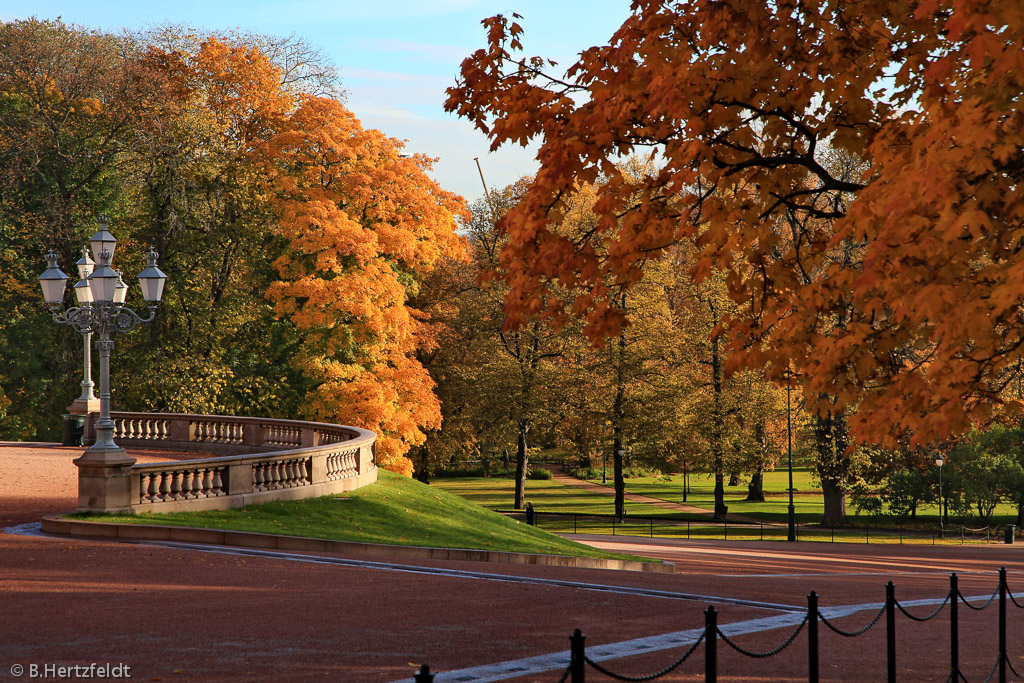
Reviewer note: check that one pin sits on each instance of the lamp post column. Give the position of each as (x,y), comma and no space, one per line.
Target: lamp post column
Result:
(105,425)
(789,438)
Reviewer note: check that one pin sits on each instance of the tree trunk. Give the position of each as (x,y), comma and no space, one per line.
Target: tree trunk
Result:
(717,427)
(618,417)
(521,454)
(620,482)
(831,435)
(734,479)
(835,503)
(423,464)
(755,490)
(686,481)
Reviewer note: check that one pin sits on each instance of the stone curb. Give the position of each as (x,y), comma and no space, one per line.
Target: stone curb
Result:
(57,524)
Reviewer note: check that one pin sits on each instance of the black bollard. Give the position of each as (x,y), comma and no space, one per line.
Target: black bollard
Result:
(577,657)
(812,637)
(710,645)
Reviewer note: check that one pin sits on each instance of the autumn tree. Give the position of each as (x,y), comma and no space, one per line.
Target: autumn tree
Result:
(69,99)
(363,224)
(738,99)
(196,181)
(511,374)
(629,370)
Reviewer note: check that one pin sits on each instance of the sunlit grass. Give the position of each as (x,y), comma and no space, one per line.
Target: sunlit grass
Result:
(396,510)
(642,519)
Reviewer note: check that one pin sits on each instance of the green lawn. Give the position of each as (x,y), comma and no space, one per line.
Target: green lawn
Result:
(396,510)
(545,496)
(807,499)
(647,520)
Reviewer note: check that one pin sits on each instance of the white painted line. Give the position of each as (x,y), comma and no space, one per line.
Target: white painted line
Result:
(30,529)
(627,648)
(464,574)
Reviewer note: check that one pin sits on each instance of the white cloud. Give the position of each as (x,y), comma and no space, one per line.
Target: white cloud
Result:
(456,143)
(318,11)
(431,51)
(356,73)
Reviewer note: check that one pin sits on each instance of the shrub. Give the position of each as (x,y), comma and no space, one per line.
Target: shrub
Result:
(587,473)
(539,474)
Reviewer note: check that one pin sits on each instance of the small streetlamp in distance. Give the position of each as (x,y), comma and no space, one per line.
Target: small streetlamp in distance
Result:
(87,402)
(939,460)
(789,439)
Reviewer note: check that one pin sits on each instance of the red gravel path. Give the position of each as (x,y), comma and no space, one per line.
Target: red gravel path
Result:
(176,614)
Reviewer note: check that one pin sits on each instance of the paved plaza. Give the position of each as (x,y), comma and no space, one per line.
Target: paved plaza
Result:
(202,613)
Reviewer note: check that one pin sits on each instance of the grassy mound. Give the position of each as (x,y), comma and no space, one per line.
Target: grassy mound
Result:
(396,510)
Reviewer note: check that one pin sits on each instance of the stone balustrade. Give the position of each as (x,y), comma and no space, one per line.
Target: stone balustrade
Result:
(254,460)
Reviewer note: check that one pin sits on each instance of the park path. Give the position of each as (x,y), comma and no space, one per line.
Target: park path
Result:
(559,476)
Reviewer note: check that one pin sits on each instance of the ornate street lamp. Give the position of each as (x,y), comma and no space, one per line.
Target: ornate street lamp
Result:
(101,294)
(939,461)
(791,517)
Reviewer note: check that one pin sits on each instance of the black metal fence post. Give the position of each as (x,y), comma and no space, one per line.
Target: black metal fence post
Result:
(890,630)
(1002,625)
(954,629)
(577,657)
(423,675)
(812,638)
(710,645)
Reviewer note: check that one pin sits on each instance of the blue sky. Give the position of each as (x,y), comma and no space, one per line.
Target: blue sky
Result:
(396,57)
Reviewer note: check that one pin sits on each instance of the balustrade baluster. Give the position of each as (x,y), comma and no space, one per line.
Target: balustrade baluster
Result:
(175,485)
(207,481)
(197,483)
(218,482)
(186,484)
(257,476)
(164,488)
(150,486)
